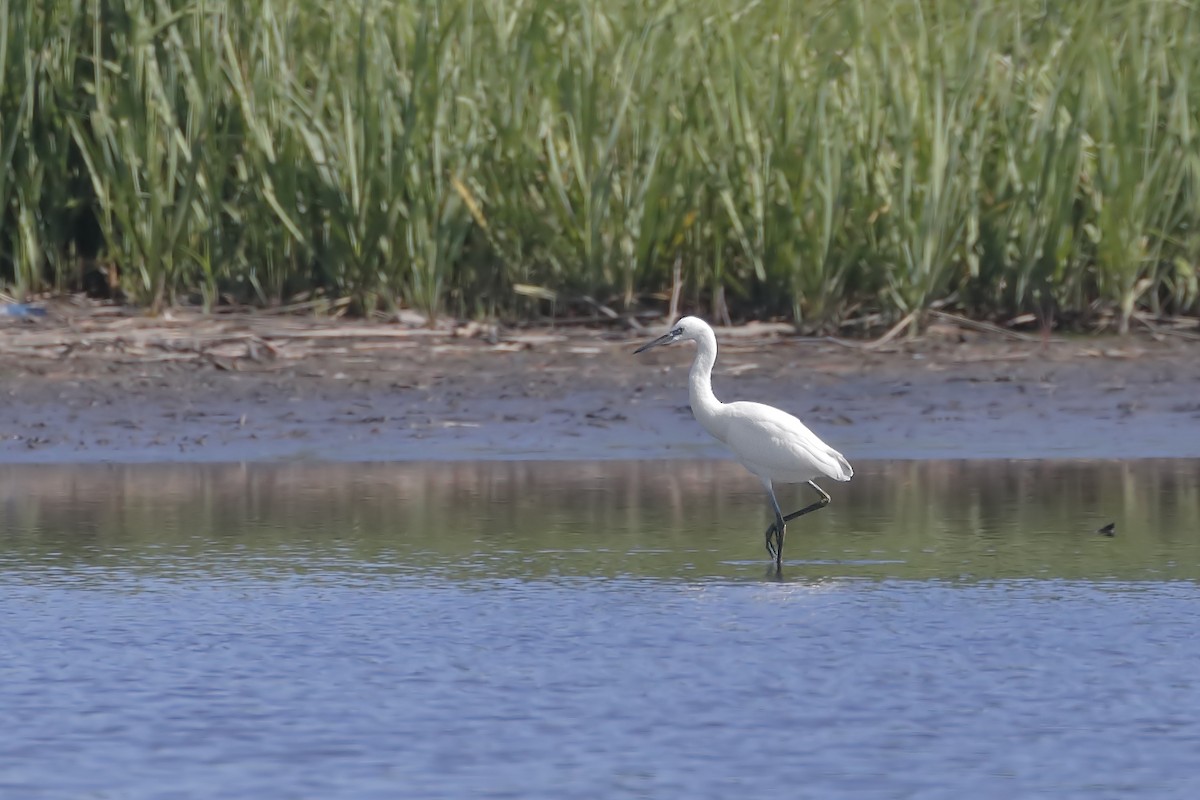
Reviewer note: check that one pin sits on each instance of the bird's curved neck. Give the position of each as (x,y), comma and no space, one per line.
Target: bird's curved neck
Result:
(704,403)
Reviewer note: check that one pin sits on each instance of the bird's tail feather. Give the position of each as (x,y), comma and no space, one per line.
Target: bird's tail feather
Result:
(847,471)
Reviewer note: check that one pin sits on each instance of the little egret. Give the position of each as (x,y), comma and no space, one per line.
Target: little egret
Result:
(772,444)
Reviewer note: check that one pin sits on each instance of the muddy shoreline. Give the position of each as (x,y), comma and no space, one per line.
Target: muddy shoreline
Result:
(250,389)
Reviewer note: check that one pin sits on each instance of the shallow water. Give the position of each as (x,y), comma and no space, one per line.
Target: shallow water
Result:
(944,629)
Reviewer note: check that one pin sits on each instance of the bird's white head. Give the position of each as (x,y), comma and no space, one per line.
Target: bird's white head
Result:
(686,329)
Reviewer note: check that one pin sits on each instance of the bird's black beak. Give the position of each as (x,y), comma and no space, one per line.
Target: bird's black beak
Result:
(666,338)
(674,335)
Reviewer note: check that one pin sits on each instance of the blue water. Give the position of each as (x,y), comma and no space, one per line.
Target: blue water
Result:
(271,649)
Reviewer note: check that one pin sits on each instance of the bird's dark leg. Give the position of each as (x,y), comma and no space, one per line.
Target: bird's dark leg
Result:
(775,539)
(824,501)
(776,530)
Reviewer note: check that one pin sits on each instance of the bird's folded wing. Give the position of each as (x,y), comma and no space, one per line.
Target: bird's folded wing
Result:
(777,445)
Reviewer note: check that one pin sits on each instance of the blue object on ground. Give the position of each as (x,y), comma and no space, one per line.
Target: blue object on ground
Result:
(21,310)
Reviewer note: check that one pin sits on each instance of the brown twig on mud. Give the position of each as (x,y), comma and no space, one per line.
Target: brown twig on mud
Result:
(1172,328)
(629,320)
(895,331)
(983,327)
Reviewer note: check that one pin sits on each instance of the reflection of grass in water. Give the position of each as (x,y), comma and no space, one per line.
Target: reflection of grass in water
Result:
(664,518)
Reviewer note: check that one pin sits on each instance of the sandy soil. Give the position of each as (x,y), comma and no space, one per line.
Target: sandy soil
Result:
(98,388)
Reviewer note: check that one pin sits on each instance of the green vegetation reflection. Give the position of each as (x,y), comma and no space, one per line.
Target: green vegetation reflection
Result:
(665,520)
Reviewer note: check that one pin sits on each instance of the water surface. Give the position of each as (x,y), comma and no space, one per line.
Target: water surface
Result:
(598,629)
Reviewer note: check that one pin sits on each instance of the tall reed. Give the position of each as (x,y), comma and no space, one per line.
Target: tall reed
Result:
(809,158)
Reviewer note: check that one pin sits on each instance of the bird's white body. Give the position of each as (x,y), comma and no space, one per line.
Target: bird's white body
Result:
(771,443)
(774,445)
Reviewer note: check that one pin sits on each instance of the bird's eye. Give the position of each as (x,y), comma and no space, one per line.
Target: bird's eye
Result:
(677,332)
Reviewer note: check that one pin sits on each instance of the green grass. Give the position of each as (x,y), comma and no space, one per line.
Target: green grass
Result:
(814,159)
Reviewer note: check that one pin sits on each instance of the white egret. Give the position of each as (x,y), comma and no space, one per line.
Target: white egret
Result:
(772,444)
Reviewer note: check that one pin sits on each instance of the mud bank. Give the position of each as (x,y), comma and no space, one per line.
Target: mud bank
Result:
(254,390)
